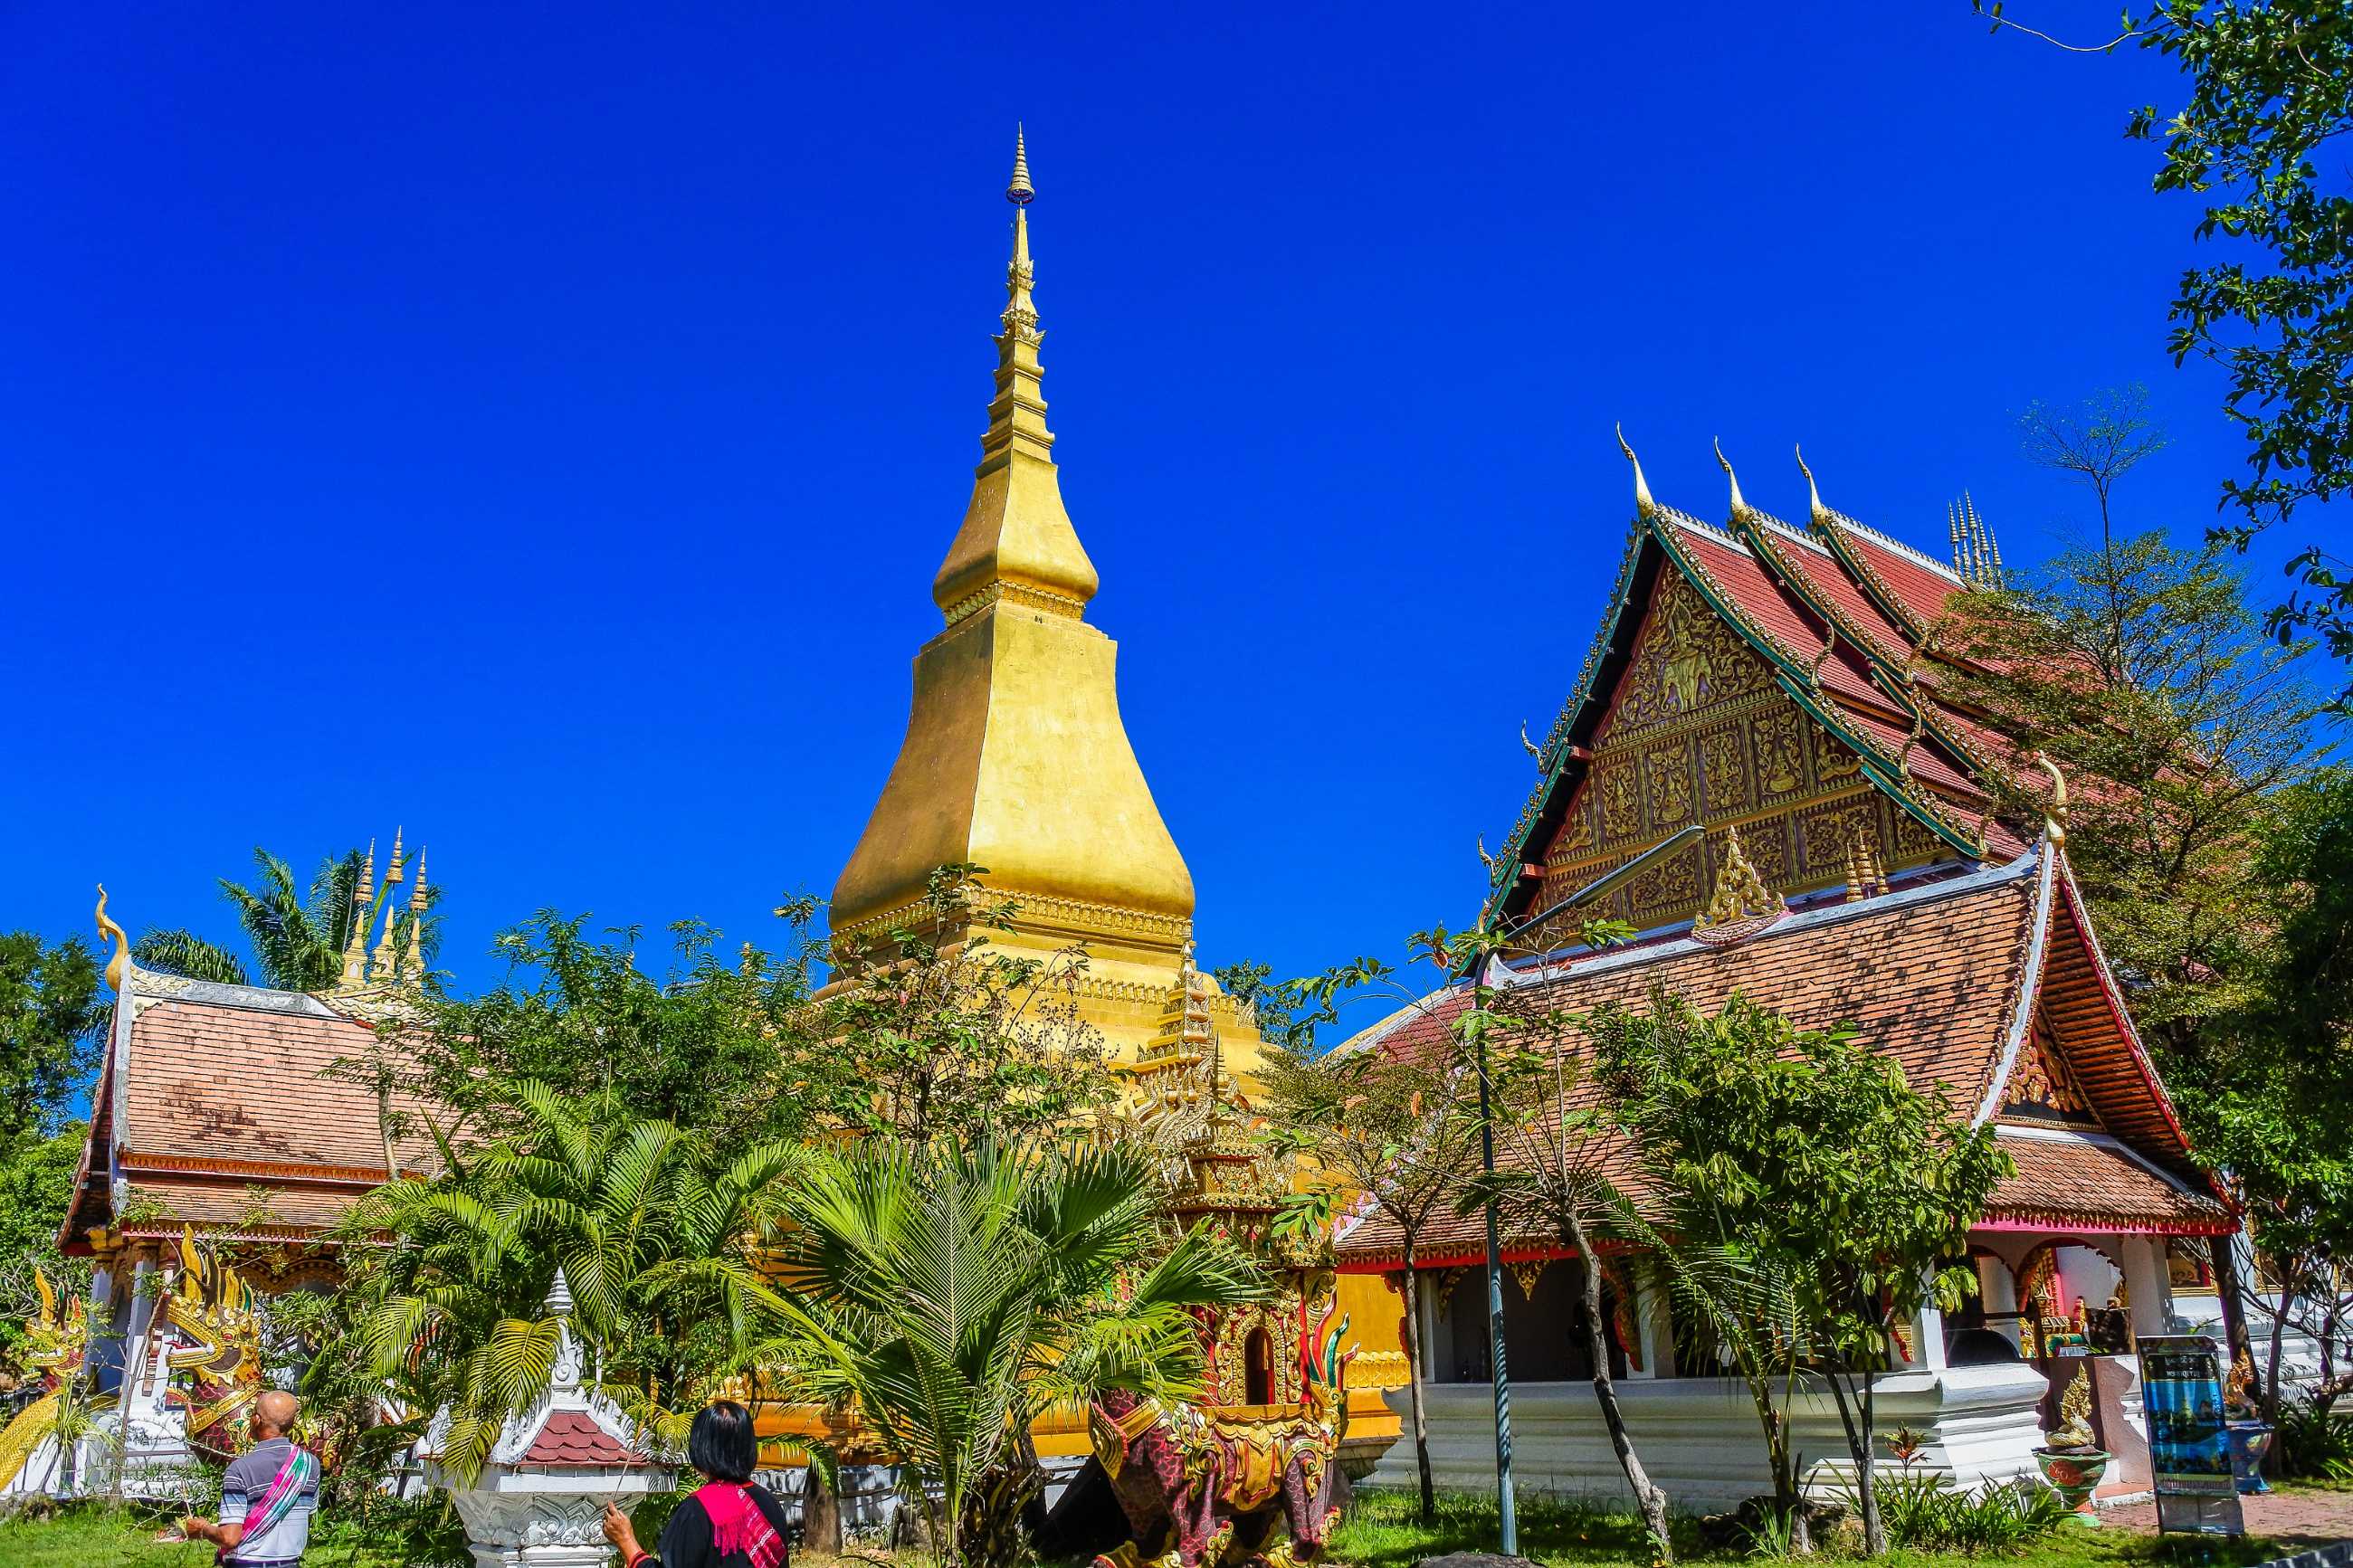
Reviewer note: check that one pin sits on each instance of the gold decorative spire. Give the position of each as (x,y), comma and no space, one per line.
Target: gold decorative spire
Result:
(386,960)
(413,959)
(1015,758)
(1016,540)
(1020,193)
(117,967)
(1642,502)
(1815,510)
(1739,505)
(355,947)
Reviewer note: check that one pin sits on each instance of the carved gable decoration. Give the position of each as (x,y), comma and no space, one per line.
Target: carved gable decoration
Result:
(1699,730)
(2041,1085)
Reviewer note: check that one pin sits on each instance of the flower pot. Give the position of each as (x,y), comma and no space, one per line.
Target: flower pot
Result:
(2249,1442)
(2074,1476)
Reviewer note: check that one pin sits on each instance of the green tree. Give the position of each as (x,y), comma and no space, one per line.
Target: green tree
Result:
(950,1295)
(37,1177)
(2264,1099)
(706,1041)
(2140,668)
(1398,1132)
(51,1008)
(1815,1170)
(951,1035)
(655,1233)
(2265,97)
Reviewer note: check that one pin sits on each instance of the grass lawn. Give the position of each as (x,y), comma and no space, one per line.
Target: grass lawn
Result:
(93,1538)
(1380,1530)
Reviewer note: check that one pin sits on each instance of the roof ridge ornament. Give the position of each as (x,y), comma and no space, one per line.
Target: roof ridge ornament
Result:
(1644,503)
(1741,906)
(118,968)
(2054,815)
(1816,513)
(1740,507)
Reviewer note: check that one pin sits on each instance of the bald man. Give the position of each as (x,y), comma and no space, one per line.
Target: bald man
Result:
(267,1494)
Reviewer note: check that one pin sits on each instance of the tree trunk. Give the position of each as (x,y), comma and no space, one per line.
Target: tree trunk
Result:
(821,1512)
(1413,1381)
(2279,1331)
(1648,1496)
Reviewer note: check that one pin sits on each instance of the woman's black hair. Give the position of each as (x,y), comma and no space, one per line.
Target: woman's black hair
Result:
(721,1445)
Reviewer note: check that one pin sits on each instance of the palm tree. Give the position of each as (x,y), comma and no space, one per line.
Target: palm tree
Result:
(299,936)
(655,1237)
(948,1296)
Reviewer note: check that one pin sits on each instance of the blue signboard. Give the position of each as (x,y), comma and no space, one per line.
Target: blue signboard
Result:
(2188,1448)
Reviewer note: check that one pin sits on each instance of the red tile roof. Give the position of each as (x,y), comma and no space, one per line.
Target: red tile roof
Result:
(1930,976)
(571,1439)
(2071,1182)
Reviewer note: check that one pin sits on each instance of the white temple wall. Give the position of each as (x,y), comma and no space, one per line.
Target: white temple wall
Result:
(1700,1439)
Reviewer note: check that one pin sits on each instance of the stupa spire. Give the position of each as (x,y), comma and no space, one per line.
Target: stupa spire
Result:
(1016,537)
(355,946)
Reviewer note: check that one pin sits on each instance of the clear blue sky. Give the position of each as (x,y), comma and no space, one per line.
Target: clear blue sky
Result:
(540,428)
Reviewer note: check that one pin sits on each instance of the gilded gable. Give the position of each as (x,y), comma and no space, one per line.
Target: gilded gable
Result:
(1699,729)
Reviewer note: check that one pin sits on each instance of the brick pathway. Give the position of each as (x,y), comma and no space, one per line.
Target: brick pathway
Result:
(2302,1518)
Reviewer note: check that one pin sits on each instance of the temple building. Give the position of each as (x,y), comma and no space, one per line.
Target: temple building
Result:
(1782,688)
(237,1118)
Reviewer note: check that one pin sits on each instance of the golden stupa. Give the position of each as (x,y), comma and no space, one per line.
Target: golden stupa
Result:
(1015,757)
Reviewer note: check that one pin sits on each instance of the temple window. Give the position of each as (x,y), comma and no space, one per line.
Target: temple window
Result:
(1258,1368)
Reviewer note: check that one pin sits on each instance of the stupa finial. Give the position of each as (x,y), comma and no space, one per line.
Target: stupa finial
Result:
(356,945)
(1642,502)
(1020,193)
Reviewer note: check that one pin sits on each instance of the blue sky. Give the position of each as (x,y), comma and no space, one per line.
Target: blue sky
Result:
(539,426)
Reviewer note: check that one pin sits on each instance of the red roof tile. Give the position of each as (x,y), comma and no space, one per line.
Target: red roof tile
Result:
(572,1439)
(2072,1182)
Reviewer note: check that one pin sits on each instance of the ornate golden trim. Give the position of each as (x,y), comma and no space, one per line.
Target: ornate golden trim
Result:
(1020,593)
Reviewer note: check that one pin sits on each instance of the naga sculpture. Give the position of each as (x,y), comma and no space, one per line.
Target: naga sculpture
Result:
(218,1313)
(1203,1489)
(56,1345)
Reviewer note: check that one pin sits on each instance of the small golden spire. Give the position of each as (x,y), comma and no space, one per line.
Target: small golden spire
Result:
(1739,505)
(1953,528)
(1815,510)
(1642,502)
(355,947)
(387,958)
(412,958)
(2054,815)
(1020,192)
(117,967)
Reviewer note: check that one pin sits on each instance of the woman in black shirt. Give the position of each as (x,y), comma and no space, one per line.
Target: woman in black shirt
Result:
(729,1522)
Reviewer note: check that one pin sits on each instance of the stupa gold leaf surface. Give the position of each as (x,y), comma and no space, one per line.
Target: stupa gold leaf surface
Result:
(1015,758)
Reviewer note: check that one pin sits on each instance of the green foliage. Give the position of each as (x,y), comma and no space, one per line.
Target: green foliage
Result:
(2314,1442)
(2139,668)
(51,1008)
(653,1228)
(949,1295)
(697,1044)
(1817,1200)
(2265,98)
(916,1036)
(297,934)
(934,1031)
(1925,1512)
(35,1179)
(2262,1094)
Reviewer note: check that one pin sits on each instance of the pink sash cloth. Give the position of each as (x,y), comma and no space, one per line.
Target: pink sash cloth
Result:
(738,1525)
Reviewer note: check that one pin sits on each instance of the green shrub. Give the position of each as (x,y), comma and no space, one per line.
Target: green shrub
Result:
(2313,1442)
(1924,1510)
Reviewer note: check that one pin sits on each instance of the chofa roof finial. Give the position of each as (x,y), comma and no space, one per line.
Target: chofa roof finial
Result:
(2055,817)
(1642,502)
(117,967)
(1815,510)
(1739,503)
